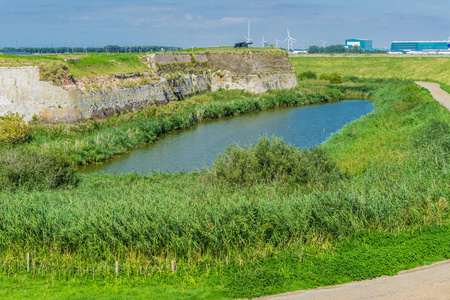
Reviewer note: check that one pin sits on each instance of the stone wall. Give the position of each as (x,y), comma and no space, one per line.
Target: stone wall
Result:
(256,84)
(22,92)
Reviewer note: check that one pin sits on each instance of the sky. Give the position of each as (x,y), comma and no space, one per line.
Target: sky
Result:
(207,23)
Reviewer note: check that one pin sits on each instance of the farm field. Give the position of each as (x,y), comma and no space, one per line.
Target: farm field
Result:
(371,201)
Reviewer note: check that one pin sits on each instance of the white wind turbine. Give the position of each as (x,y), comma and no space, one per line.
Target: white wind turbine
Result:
(248,36)
(323,43)
(290,41)
(276,42)
(263,43)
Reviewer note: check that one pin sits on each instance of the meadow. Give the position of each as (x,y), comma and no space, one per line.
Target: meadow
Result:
(402,67)
(370,201)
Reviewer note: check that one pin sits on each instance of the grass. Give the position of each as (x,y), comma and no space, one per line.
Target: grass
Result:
(88,66)
(414,68)
(389,212)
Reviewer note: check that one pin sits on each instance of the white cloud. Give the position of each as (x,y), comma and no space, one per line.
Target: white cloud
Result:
(233,20)
(188,17)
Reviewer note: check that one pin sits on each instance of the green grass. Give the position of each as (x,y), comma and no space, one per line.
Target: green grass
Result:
(88,66)
(397,164)
(367,255)
(414,68)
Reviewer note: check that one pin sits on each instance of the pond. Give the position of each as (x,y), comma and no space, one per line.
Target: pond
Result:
(195,148)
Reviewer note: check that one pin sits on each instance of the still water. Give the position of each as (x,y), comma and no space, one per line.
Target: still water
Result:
(194,148)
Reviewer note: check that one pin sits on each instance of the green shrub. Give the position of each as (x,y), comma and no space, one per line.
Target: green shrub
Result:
(307,75)
(335,78)
(324,76)
(34,169)
(273,161)
(13,129)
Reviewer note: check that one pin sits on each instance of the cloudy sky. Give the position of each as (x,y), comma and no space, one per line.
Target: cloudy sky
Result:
(215,23)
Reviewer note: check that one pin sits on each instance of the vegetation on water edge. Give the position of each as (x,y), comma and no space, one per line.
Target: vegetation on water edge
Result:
(278,236)
(99,140)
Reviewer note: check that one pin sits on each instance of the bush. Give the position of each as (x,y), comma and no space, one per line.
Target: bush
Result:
(271,161)
(307,75)
(335,78)
(13,129)
(324,76)
(34,169)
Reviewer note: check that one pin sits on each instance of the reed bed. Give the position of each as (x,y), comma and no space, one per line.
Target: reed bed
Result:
(395,166)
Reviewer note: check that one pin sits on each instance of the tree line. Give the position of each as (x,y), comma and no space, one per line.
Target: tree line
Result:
(105,49)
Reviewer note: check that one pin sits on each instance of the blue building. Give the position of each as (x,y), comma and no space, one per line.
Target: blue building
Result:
(361,43)
(406,46)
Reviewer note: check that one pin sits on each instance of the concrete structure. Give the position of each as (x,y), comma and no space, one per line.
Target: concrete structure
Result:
(407,46)
(363,44)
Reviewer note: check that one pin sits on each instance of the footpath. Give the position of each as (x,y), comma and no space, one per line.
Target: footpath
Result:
(429,282)
(439,94)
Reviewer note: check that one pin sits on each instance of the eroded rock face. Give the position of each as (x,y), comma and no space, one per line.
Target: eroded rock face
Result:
(21,90)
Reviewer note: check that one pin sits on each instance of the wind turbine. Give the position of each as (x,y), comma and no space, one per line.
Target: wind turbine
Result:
(307,43)
(248,36)
(323,43)
(290,40)
(263,42)
(276,42)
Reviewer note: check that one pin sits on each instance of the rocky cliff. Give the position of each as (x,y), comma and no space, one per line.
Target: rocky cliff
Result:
(171,77)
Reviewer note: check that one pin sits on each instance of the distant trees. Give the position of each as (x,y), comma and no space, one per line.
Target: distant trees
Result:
(108,48)
(339,49)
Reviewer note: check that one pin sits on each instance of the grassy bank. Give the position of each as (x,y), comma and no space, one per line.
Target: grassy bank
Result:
(387,209)
(80,65)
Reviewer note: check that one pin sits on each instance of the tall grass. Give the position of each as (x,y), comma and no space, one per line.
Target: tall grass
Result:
(186,216)
(279,236)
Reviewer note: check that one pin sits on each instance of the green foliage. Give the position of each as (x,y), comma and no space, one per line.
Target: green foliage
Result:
(307,75)
(271,161)
(13,129)
(324,76)
(34,169)
(335,78)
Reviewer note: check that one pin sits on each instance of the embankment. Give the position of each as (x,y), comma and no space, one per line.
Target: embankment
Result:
(170,77)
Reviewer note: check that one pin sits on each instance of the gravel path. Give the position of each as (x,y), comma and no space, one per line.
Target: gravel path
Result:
(439,94)
(429,282)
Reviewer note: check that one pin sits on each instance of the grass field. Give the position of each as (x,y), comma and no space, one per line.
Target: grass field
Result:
(414,68)
(89,65)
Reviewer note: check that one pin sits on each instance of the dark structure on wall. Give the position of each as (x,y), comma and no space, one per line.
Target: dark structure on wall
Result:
(242,45)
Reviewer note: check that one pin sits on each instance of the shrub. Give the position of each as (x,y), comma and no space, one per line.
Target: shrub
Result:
(34,169)
(13,129)
(335,78)
(273,161)
(308,75)
(324,76)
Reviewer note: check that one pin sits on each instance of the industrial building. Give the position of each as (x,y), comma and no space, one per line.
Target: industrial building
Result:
(408,46)
(361,43)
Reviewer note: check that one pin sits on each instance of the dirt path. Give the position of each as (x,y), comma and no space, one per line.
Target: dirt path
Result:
(429,282)
(439,94)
